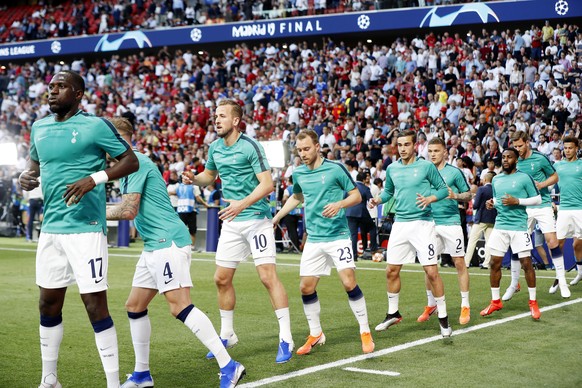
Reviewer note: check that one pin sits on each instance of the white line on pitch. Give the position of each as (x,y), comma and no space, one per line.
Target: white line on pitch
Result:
(394,349)
(372,371)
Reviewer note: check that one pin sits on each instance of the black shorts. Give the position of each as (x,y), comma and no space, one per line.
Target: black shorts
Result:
(190,220)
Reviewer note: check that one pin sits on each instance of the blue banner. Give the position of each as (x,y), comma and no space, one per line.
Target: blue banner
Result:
(291,28)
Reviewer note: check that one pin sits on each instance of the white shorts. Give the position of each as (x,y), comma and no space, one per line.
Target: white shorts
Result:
(569,224)
(411,239)
(164,269)
(63,259)
(318,258)
(450,240)
(500,241)
(544,216)
(238,240)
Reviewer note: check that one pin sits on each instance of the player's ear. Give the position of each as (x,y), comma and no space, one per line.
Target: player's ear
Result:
(236,121)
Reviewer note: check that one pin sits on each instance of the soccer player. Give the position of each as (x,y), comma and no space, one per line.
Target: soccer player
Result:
(67,149)
(539,167)
(512,192)
(322,185)
(164,267)
(247,228)
(569,223)
(448,227)
(415,183)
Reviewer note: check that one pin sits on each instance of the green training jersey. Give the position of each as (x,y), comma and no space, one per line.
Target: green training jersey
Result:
(68,151)
(326,184)
(446,212)
(238,166)
(570,184)
(404,182)
(539,167)
(518,185)
(156,221)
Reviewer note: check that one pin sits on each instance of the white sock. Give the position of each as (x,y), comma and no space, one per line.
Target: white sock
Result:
(226,323)
(393,302)
(560,270)
(465,299)
(50,342)
(515,270)
(532,293)
(430,298)
(441,306)
(495,293)
(106,341)
(141,331)
(284,319)
(201,326)
(312,312)
(361,313)
(579,267)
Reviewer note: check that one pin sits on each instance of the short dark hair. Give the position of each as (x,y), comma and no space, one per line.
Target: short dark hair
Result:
(571,139)
(75,79)
(516,152)
(406,133)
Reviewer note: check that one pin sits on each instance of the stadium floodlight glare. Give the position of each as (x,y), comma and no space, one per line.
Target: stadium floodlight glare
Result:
(8,154)
(369,41)
(276,153)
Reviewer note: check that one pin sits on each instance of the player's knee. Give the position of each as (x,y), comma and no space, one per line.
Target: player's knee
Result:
(222,281)
(131,306)
(306,289)
(48,307)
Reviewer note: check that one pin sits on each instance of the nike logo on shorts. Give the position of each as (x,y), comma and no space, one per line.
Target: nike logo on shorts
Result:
(98,281)
(168,281)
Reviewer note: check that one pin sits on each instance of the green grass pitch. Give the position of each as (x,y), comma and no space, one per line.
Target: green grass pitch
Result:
(517,352)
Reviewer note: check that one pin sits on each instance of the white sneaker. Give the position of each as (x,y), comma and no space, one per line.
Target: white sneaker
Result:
(50,381)
(446,332)
(56,385)
(509,292)
(564,290)
(554,287)
(576,279)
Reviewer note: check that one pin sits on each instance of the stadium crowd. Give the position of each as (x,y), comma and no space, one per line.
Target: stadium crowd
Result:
(96,17)
(473,91)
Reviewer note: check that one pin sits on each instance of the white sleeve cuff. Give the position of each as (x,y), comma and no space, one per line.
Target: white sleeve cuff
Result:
(530,201)
(100,177)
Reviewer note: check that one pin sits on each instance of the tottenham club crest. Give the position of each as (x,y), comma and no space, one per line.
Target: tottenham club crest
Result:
(74,139)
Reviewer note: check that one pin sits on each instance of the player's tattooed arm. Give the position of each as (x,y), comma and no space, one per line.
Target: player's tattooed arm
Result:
(460,197)
(127,209)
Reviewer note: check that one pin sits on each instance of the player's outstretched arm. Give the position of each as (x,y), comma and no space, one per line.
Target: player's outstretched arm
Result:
(508,200)
(29,178)
(126,210)
(460,197)
(205,178)
(552,180)
(127,164)
(291,203)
